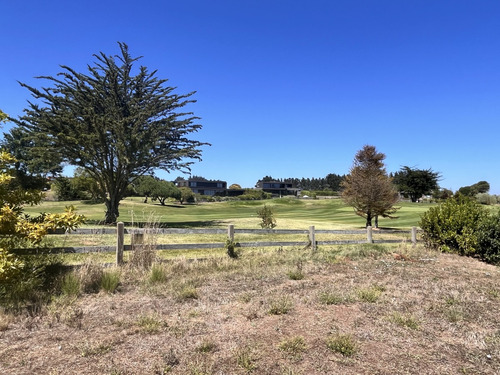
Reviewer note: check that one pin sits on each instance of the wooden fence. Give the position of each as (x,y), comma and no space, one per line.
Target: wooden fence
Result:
(138,233)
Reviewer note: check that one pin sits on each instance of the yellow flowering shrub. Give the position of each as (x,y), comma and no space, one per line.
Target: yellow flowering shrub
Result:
(15,226)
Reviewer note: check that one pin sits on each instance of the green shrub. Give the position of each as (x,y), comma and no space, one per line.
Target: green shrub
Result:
(33,284)
(489,239)
(453,225)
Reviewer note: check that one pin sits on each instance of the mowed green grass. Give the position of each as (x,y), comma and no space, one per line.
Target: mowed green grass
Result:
(289,213)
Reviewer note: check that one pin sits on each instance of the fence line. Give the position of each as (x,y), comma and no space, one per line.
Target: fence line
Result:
(138,233)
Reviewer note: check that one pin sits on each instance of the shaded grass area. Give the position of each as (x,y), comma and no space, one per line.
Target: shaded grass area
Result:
(289,213)
(357,310)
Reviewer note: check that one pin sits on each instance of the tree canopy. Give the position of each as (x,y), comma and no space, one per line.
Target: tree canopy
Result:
(415,183)
(477,188)
(114,124)
(368,188)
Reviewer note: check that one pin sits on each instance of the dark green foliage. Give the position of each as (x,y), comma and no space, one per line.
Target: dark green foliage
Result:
(163,190)
(64,189)
(35,154)
(489,239)
(453,226)
(231,249)
(115,125)
(187,195)
(471,191)
(34,285)
(251,194)
(331,182)
(415,183)
(266,214)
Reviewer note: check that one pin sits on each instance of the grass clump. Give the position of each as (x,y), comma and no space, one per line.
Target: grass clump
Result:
(328,297)
(157,274)
(245,359)
(150,324)
(206,346)
(280,305)
(90,275)
(186,291)
(70,285)
(110,281)
(370,294)
(404,320)
(342,344)
(296,273)
(294,346)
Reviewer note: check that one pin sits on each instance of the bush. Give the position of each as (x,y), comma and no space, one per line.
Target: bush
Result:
(489,239)
(267,216)
(453,225)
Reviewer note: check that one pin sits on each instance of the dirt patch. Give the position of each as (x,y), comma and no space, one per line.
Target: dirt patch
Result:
(435,314)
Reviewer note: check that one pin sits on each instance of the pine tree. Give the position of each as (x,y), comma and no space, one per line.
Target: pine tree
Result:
(368,188)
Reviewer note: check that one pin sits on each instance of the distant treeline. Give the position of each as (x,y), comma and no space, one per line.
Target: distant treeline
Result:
(330,182)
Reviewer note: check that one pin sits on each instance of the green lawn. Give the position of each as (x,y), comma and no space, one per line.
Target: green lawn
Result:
(289,213)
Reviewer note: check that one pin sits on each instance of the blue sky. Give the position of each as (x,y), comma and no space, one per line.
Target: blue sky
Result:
(293,88)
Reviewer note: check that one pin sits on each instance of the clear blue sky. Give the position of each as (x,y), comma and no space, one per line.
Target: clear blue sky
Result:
(293,88)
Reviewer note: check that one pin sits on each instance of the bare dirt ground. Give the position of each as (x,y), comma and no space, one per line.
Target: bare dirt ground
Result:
(420,313)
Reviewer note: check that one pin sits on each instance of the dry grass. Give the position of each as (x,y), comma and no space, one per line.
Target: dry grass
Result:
(355,312)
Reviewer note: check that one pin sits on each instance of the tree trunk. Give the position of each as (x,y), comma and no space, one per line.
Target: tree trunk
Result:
(111,210)
(376,221)
(368,219)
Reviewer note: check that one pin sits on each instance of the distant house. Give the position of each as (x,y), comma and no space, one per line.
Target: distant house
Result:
(203,186)
(278,188)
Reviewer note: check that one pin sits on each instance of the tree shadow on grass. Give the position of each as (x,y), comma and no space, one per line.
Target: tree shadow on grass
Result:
(173,224)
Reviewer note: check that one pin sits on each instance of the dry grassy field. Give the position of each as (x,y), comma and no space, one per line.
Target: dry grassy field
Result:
(363,309)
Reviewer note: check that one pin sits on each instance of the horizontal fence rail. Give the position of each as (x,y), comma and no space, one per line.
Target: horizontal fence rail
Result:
(138,233)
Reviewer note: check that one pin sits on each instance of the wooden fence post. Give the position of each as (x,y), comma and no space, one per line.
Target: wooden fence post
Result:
(414,235)
(312,238)
(120,236)
(369,234)
(230,233)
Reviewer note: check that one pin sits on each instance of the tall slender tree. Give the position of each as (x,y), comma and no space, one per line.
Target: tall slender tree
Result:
(368,188)
(114,124)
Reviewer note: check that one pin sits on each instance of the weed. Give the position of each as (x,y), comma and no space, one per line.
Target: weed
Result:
(289,371)
(328,297)
(294,346)
(245,359)
(296,274)
(186,291)
(342,344)
(371,294)
(90,275)
(157,274)
(88,349)
(230,249)
(110,281)
(245,297)
(206,346)
(70,285)
(280,305)
(407,321)
(150,324)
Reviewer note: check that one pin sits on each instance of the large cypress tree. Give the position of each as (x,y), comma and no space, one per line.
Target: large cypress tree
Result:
(114,124)
(368,188)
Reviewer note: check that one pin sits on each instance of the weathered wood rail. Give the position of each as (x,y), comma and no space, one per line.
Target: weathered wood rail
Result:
(138,233)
